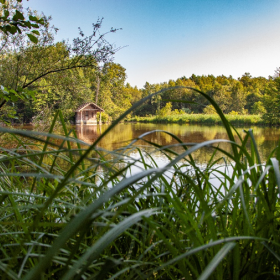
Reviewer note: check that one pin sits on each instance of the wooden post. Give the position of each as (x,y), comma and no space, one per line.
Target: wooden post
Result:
(100,117)
(81,117)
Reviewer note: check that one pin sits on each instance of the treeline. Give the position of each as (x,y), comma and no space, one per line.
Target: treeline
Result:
(106,86)
(246,95)
(40,78)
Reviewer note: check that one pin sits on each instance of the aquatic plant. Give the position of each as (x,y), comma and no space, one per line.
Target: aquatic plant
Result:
(237,120)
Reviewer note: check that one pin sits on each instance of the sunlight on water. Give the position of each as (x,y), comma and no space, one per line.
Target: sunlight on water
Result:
(267,138)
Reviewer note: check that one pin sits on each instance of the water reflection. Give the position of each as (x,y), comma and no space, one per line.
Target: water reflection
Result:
(266,138)
(88,133)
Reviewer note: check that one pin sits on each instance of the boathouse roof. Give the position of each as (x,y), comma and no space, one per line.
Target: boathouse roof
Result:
(93,105)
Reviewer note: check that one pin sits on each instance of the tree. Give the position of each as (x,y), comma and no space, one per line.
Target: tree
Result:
(258,108)
(166,110)
(271,102)
(238,97)
(24,64)
(222,96)
(13,21)
(246,79)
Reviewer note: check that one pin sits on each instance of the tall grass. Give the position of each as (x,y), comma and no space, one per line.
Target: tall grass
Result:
(237,120)
(75,211)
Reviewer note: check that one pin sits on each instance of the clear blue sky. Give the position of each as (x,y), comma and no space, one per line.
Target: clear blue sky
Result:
(168,39)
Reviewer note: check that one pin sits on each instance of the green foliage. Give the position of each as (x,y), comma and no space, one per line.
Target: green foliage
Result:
(271,102)
(58,71)
(105,118)
(233,113)
(209,110)
(72,211)
(187,110)
(258,108)
(13,21)
(238,120)
(66,76)
(165,111)
(230,94)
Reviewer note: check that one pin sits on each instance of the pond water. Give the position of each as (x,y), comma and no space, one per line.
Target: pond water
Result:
(266,138)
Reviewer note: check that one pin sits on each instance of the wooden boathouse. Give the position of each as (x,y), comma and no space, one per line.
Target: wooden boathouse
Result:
(86,113)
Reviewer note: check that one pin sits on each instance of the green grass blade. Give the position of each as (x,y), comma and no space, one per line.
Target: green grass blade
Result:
(216,260)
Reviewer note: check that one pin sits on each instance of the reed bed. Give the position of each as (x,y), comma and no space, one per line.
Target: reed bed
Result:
(237,120)
(75,211)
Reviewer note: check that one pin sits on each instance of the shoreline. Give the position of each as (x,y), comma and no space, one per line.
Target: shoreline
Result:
(237,120)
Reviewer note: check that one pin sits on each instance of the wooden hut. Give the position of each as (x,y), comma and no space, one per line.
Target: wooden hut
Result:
(86,113)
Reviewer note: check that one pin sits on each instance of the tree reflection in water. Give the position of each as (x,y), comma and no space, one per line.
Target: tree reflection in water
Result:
(267,138)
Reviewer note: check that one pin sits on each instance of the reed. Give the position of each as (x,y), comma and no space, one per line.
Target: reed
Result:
(75,211)
(237,120)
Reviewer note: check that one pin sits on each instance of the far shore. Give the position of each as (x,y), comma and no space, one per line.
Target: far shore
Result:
(237,120)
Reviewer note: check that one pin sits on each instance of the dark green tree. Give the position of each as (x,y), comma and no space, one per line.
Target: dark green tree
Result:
(271,102)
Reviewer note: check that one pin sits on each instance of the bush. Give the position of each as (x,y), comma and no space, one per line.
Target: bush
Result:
(258,108)
(105,118)
(233,113)
(209,110)
(165,111)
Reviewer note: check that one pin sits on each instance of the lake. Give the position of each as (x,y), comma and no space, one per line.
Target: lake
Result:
(266,138)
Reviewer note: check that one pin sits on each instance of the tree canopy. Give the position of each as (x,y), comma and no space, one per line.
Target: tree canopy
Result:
(39,75)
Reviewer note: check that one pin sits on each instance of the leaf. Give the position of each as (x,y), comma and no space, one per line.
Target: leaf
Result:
(3,28)
(18,15)
(18,30)
(34,25)
(6,13)
(28,24)
(93,252)
(32,18)
(12,91)
(14,98)
(13,29)
(32,38)
(8,28)
(36,32)
(12,116)
(216,260)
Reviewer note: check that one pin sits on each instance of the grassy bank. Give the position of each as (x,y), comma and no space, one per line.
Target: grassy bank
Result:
(73,211)
(202,119)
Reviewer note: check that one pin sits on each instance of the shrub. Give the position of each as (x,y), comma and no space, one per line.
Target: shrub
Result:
(105,118)
(258,108)
(209,110)
(166,110)
(233,113)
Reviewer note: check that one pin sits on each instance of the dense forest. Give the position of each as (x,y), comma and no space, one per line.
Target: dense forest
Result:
(40,76)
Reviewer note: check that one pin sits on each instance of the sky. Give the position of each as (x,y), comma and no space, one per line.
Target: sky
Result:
(165,40)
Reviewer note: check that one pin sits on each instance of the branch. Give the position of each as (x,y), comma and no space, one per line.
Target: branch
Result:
(54,71)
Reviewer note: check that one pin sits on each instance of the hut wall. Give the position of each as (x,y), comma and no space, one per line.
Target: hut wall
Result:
(90,117)
(86,117)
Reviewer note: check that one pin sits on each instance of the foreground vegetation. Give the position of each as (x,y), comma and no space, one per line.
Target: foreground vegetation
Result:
(74,211)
